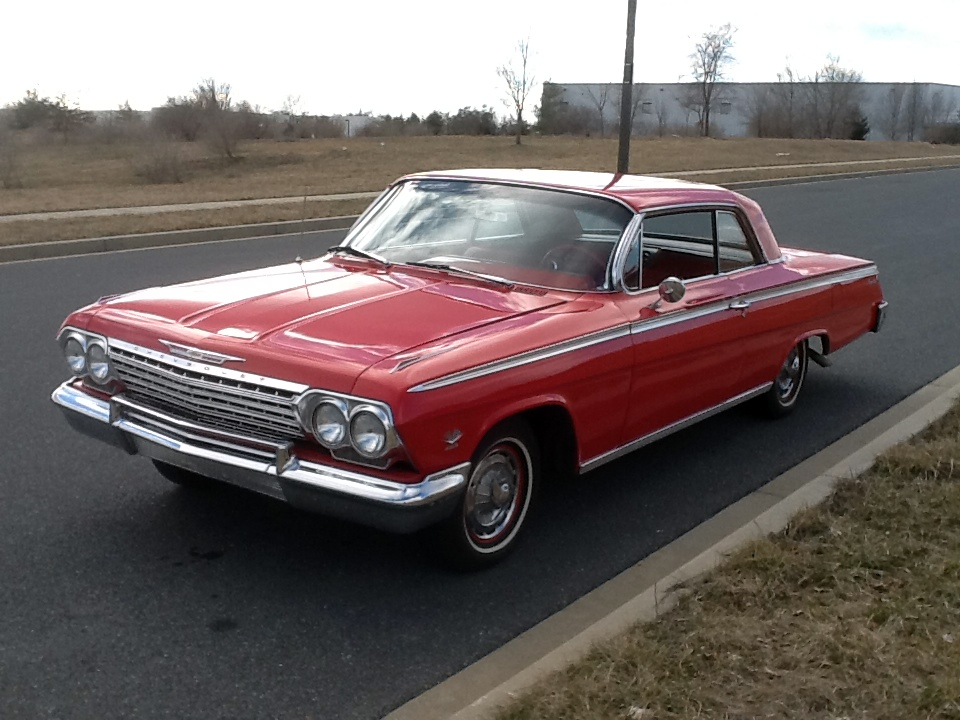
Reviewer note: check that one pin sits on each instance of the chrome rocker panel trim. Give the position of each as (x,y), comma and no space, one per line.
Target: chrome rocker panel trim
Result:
(264,466)
(686,422)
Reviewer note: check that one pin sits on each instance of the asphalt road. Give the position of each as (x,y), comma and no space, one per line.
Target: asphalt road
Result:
(123,596)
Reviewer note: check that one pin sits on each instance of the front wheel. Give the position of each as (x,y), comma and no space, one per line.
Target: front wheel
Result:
(780,399)
(496,500)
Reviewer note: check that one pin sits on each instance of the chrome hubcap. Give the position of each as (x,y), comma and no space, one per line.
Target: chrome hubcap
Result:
(493,494)
(788,381)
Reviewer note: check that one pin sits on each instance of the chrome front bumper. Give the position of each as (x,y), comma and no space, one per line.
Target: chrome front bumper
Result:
(263,466)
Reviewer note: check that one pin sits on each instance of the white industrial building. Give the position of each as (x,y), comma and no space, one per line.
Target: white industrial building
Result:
(898,111)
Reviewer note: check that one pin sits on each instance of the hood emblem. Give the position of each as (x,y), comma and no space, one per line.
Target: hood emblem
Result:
(204,356)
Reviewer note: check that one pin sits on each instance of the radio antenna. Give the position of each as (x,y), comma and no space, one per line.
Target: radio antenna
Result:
(303,213)
(299,260)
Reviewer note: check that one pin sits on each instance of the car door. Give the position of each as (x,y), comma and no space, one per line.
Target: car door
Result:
(765,295)
(688,354)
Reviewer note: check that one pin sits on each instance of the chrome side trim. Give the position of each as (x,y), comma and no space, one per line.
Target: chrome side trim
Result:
(679,316)
(640,442)
(525,358)
(841,278)
(205,369)
(640,326)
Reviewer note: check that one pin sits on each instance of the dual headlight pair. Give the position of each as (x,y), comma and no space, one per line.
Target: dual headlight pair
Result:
(87,355)
(345,422)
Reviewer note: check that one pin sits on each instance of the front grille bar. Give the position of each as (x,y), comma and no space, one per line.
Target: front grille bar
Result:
(217,398)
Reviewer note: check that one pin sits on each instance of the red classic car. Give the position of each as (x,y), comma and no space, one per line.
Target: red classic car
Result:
(476,334)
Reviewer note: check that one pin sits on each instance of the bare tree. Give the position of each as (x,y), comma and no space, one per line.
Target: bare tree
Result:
(916,112)
(599,100)
(786,100)
(663,115)
(637,98)
(709,61)
(891,106)
(834,94)
(759,110)
(519,82)
(941,109)
(221,125)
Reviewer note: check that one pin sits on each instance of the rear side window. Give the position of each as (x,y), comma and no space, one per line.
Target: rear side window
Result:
(736,251)
(688,226)
(694,244)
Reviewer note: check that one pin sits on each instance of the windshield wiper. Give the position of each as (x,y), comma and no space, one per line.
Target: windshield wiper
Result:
(357,252)
(469,273)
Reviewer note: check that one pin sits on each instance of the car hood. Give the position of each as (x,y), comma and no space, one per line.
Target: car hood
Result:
(343,318)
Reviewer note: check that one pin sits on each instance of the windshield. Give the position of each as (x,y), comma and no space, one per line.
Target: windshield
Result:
(525,235)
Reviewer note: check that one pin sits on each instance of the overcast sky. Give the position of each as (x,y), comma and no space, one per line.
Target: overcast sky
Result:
(409,56)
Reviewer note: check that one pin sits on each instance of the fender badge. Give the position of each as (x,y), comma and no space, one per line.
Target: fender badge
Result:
(204,356)
(452,438)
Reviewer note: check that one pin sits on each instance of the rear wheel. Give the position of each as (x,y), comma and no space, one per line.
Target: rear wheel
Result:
(496,500)
(179,476)
(780,399)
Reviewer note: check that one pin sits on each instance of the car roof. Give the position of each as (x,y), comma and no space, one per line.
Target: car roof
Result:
(641,192)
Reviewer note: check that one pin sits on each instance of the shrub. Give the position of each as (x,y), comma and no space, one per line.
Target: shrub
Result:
(10,167)
(943,133)
(159,161)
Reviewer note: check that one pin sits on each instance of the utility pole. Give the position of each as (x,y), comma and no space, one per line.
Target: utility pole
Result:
(626,93)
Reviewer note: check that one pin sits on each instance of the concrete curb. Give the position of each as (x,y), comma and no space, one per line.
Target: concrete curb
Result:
(653,586)
(181,207)
(63,248)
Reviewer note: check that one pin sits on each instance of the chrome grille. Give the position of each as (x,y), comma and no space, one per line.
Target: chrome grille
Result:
(207,399)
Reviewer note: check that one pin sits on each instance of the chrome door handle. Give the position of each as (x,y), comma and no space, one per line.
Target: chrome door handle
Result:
(739,305)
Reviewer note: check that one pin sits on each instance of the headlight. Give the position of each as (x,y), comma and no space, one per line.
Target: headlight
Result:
(98,364)
(368,431)
(352,428)
(74,353)
(330,423)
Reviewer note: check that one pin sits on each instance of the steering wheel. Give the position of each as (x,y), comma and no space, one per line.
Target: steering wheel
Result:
(576,260)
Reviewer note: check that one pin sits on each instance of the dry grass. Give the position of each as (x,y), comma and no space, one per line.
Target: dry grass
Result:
(68,177)
(852,612)
(73,177)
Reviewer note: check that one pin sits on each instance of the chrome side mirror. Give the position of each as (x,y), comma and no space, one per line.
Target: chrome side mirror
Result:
(672,290)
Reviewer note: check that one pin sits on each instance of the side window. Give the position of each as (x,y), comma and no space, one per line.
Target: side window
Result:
(736,250)
(678,245)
